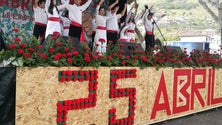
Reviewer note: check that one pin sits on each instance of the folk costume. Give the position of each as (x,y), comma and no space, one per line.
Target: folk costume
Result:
(75,16)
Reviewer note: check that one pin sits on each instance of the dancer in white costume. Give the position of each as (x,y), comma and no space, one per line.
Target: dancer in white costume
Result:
(100,41)
(40,17)
(131,21)
(75,16)
(52,11)
(112,24)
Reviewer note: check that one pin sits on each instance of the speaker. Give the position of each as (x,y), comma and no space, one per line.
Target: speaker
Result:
(176,48)
(128,47)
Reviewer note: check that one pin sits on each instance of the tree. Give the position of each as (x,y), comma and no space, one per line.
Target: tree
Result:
(214,8)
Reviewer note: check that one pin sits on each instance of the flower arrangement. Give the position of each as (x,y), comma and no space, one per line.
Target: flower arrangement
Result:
(25,50)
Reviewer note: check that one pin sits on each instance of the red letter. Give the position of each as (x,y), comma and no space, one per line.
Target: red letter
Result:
(4,2)
(213,100)
(165,105)
(15,3)
(198,85)
(122,92)
(64,106)
(25,5)
(181,98)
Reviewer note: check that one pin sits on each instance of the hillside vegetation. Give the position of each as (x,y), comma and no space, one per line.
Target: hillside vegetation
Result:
(180,15)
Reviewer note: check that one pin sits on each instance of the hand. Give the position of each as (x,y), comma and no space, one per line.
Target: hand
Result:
(117,1)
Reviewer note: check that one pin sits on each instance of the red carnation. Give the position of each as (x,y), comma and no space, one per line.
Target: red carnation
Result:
(69,60)
(15,29)
(51,50)
(108,58)
(20,51)
(56,33)
(102,40)
(58,44)
(17,40)
(75,53)
(39,46)
(12,46)
(23,45)
(43,56)
(31,49)
(27,55)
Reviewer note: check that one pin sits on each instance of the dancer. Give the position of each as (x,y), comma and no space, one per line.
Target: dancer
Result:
(52,11)
(112,24)
(75,16)
(40,17)
(149,27)
(101,36)
(131,20)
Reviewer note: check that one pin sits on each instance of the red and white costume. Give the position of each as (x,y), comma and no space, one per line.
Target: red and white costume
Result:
(53,24)
(100,40)
(75,16)
(132,25)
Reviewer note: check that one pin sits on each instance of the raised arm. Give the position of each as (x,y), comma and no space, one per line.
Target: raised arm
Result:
(36,4)
(124,10)
(85,6)
(112,5)
(98,6)
(47,3)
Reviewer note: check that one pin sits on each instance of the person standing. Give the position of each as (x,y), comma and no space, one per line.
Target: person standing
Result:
(149,27)
(100,41)
(40,17)
(131,20)
(112,24)
(75,16)
(52,11)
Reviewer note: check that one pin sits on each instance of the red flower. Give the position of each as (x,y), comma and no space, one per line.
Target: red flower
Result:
(69,60)
(20,51)
(15,29)
(58,44)
(75,53)
(54,37)
(66,49)
(87,59)
(51,50)
(86,54)
(39,46)
(108,57)
(12,46)
(31,49)
(17,40)
(69,54)
(23,45)
(123,63)
(56,57)
(43,56)
(56,33)
(122,45)
(114,54)
(27,55)
(94,57)
(102,40)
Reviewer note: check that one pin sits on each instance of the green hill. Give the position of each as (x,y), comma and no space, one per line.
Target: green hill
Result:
(181,14)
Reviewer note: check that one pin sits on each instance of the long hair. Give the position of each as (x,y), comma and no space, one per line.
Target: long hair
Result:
(51,6)
(132,20)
